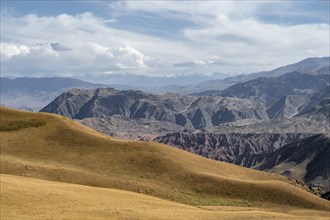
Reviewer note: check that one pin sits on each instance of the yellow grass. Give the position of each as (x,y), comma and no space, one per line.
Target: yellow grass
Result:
(28,198)
(59,149)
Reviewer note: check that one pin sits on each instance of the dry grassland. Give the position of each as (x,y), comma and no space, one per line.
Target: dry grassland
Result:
(54,148)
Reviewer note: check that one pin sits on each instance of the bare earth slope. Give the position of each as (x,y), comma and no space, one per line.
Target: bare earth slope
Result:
(52,147)
(245,149)
(307,159)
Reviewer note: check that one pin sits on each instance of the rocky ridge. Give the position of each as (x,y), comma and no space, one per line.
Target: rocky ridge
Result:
(306,159)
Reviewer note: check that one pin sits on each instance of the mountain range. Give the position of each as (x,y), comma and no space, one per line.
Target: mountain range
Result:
(241,124)
(145,82)
(34,93)
(310,65)
(294,94)
(191,112)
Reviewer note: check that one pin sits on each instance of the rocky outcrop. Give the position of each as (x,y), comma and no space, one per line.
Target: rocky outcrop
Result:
(318,106)
(306,159)
(269,90)
(287,106)
(132,129)
(191,112)
(239,148)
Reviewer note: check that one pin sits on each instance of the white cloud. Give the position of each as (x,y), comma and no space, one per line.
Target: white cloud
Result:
(130,55)
(90,57)
(199,62)
(231,31)
(226,37)
(9,50)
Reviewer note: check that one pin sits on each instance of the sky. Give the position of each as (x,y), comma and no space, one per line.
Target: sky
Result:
(159,38)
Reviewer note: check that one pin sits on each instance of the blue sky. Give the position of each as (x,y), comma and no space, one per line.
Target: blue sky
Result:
(68,38)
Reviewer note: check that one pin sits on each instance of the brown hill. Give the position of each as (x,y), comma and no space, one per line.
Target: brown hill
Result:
(28,198)
(52,147)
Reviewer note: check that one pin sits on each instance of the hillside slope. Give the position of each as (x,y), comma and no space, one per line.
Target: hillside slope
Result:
(269,90)
(287,106)
(318,107)
(28,198)
(52,147)
(306,159)
(245,149)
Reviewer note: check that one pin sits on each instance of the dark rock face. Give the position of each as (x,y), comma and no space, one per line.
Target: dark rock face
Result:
(238,148)
(287,106)
(180,119)
(71,103)
(318,106)
(270,90)
(188,111)
(306,159)
(282,96)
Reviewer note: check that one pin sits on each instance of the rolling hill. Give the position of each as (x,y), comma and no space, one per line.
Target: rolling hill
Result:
(28,198)
(54,148)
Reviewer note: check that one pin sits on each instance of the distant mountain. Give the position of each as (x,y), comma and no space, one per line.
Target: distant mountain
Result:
(151,83)
(45,84)
(318,65)
(306,159)
(313,64)
(313,116)
(269,90)
(197,83)
(35,93)
(191,112)
(324,70)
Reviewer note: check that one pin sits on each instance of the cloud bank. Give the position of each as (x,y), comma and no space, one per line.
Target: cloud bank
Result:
(162,38)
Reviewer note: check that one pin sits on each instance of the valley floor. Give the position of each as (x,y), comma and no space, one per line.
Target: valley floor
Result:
(29,198)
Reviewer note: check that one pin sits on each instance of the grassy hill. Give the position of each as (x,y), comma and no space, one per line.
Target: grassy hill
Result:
(51,147)
(25,198)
